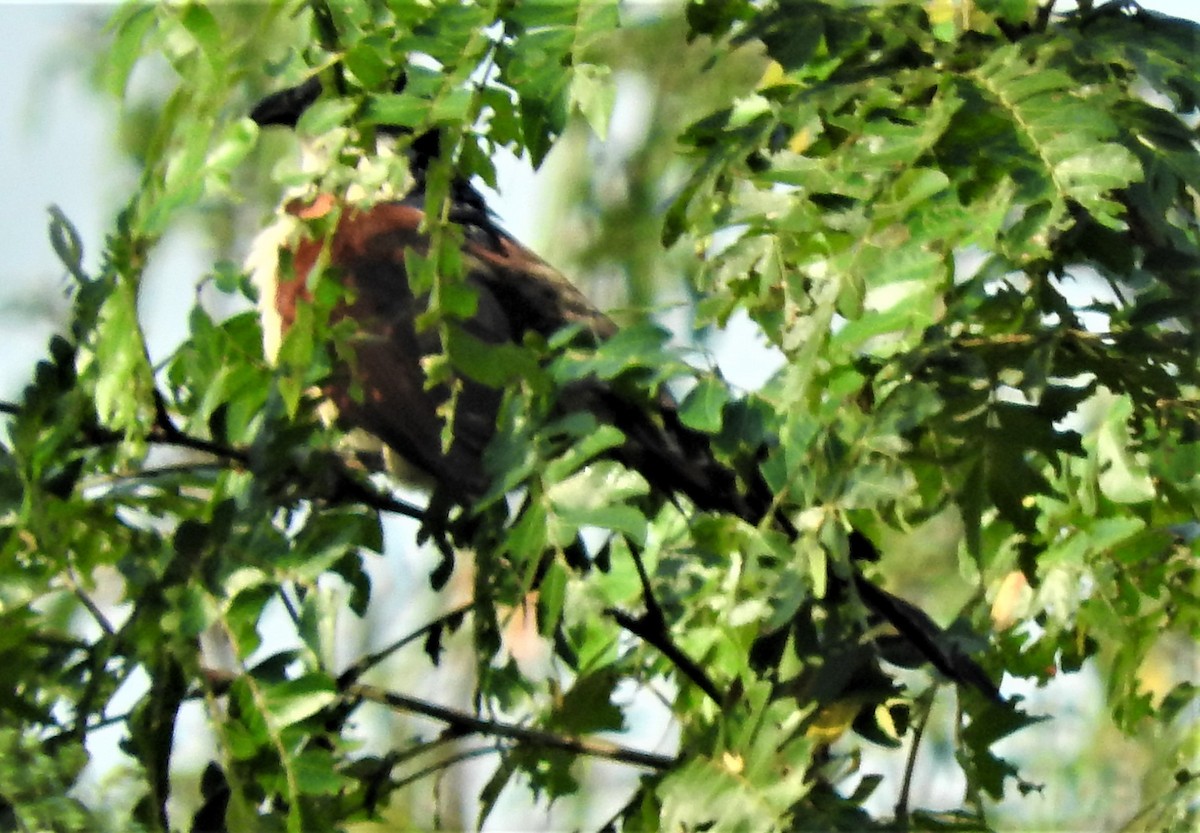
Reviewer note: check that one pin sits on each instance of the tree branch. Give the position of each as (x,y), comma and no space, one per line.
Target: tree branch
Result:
(651,628)
(446,763)
(925,704)
(461,723)
(352,674)
(346,486)
(651,632)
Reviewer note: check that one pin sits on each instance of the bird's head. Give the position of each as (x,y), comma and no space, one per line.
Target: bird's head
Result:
(285,107)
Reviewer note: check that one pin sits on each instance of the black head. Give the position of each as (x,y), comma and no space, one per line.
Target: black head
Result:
(286,106)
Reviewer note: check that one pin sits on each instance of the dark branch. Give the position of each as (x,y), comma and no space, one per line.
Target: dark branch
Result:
(655,635)
(347,487)
(462,723)
(651,628)
(352,674)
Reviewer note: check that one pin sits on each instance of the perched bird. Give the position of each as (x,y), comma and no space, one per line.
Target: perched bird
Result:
(381,388)
(517,293)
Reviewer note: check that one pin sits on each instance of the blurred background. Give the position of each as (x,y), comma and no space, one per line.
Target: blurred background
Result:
(60,144)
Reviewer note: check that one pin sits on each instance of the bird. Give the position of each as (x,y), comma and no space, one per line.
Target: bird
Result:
(382,388)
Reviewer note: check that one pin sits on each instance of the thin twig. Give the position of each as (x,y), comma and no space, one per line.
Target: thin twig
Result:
(86,600)
(651,628)
(657,637)
(1184,781)
(165,432)
(447,763)
(925,705)
(352,674)
(289,607)
(461,723)
(352,488)
(398,757)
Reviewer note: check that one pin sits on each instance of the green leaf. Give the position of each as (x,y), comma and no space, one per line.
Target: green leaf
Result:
(202,25)
(595,496)
(67,244)
(231,147)
(1067,128)
(368,60)
(116,363)
(642,346)
(452,108)
(587,705)
(132,25)
(324,116)
(36,781)
(594,440)
(717,795)
(292,701)
(702,408)
(1124,476)
(989,726)
(624,519)
(316,773)
(401,110)
(593,93)
(494,365)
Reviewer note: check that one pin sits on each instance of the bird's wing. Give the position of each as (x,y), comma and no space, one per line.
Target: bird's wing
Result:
(380,386)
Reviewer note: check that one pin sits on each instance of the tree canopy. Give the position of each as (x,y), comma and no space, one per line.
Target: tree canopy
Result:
(967,232)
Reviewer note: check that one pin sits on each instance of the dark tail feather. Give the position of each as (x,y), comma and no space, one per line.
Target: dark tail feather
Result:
(712,486)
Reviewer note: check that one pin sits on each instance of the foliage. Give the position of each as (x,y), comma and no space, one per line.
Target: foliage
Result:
(968,229)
